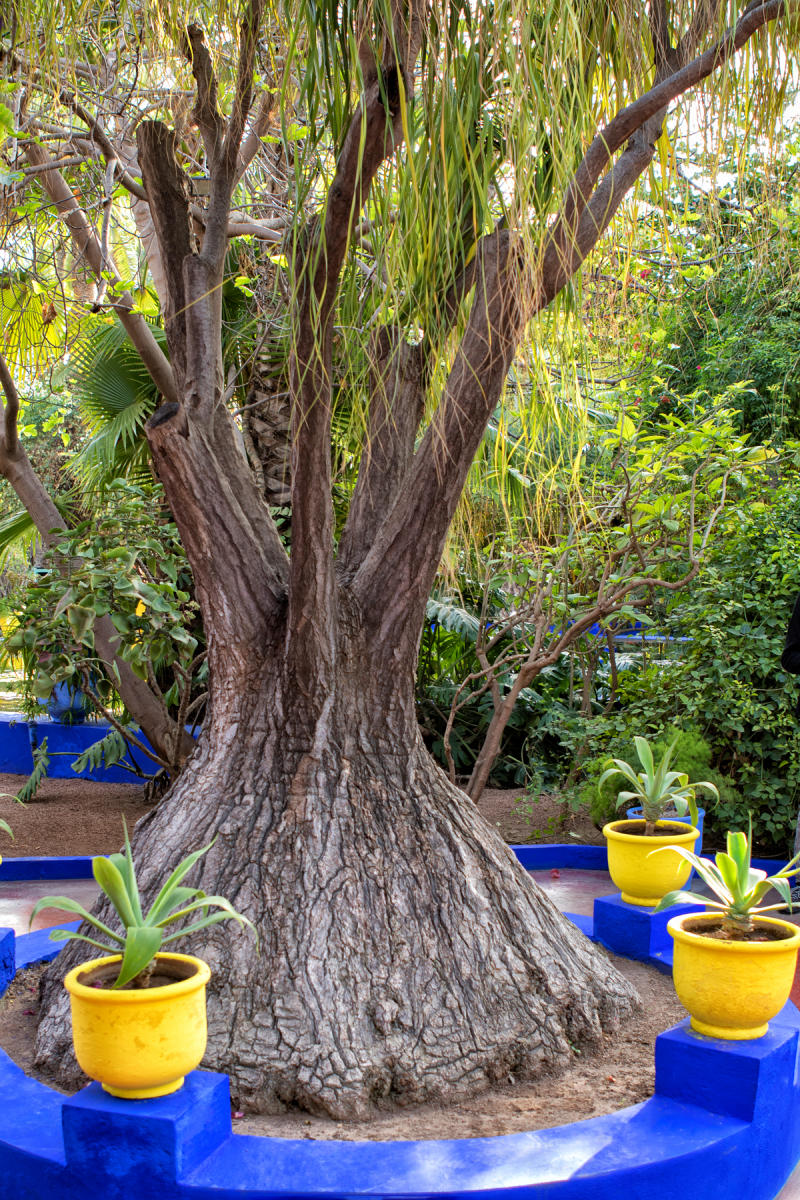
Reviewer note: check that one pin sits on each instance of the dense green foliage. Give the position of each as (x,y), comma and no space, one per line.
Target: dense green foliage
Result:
(127,561)
(728,682)
(692,756)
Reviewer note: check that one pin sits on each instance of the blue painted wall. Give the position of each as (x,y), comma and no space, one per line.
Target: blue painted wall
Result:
(724,1120)
(64,744)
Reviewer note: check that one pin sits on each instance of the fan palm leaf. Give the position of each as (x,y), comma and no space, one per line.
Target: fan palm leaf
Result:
(115,397)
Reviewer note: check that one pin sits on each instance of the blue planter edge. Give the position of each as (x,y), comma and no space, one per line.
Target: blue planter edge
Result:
(723,1115)
(18,735)
(564,855)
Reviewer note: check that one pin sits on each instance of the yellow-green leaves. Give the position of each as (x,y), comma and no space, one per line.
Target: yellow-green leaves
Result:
(142,943)
(738,887)
(655,787)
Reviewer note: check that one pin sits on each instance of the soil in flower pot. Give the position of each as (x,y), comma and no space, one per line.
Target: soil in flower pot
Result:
(719,933)
(637,828)
(165,973)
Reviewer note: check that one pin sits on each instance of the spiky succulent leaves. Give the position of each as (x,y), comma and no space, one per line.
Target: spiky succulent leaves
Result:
(6,828)
(142,944)
(738,886)
(112,883)
(69,935)
(124,864)
(144,935)
(203,903)
(67,904)
(656,788)
(646,755)
(626,770)
(171,895)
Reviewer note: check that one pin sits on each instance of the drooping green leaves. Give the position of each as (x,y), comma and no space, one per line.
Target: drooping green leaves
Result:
(143,935)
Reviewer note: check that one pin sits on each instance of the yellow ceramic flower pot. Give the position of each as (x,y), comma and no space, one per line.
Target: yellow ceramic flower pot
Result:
(139,1042)
(644,880)
(732,989)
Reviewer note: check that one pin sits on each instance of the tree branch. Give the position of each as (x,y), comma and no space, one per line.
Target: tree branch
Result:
(395,411)
(374,134)
(578,225)
(205,112)
(408,545)
(100,137)
(224,155)
(10,411)
(658,20)
(168,199)
(406,551)
(252,143)
(87,245)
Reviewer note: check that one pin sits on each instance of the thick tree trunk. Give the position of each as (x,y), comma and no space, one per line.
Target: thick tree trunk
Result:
(404,954)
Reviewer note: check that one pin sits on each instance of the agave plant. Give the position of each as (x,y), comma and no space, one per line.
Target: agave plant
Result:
(143,934)
(6,828)
(738,887)
(655,787)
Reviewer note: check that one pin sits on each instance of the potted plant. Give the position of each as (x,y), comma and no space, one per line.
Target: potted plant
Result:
(657,790)
(139,1014)
(733,968)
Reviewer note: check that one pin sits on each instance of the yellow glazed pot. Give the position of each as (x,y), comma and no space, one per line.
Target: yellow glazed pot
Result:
(139,1042)
(732,989)
(644,880)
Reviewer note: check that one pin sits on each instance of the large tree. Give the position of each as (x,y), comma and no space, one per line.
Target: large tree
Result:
(442,172)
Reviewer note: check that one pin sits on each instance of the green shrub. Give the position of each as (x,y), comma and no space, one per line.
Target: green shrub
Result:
(728,683)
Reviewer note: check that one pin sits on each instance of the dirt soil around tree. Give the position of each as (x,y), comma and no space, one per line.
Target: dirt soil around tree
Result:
(68,816)
(71,816)
(75,817)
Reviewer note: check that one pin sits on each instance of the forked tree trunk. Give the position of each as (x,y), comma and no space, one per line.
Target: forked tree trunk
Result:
(404,954)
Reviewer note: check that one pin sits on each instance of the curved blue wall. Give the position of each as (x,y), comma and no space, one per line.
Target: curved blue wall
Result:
(724,1120)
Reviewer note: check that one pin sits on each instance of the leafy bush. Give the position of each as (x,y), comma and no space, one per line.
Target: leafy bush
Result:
(447,656)
(728,683)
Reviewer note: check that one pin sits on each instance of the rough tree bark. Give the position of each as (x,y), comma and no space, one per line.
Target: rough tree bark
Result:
(404,954)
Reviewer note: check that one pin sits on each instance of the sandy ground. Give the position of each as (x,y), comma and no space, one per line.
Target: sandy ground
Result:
(68,816)
(73,817)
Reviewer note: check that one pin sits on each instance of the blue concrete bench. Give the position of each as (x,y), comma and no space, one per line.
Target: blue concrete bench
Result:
(724,1119)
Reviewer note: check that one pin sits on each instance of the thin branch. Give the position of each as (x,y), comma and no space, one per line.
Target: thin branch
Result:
(243,96)
(409,542)
(704,18)
(105,144)
(206,112)
(586,212)
(375,132)
(87,245)
(252,143)
(55,164)
(10,411)
(124,732)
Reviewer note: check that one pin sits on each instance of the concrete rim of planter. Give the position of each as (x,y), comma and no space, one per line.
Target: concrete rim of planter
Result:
(693,1138)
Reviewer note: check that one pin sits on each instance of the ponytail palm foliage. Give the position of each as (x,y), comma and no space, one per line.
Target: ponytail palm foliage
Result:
(424,183)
